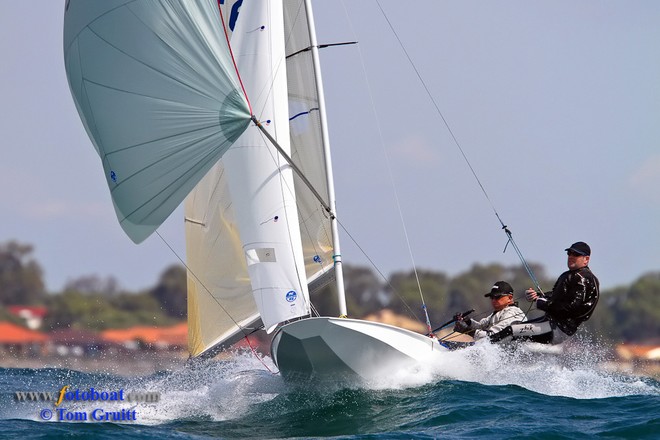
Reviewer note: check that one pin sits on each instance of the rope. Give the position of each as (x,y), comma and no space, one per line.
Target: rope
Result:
(254,352)
(410,311)
(396,195)
(520,255)
(467,161)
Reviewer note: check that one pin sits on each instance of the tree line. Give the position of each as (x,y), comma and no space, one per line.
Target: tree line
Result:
(88,302)
(626,313)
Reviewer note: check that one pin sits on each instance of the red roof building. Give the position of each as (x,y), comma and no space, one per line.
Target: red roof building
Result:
(33,315)
(161,338)
(18,340)
(12,334)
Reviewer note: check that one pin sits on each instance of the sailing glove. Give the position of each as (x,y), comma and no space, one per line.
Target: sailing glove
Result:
(542,304)
(463,326)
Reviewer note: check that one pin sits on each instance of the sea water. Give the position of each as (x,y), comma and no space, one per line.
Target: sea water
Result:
(484,391)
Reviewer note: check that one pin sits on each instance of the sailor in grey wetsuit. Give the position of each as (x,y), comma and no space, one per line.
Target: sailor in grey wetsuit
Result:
(571,302)
(505,313)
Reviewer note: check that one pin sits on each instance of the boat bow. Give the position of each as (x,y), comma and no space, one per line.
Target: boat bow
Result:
(338,347)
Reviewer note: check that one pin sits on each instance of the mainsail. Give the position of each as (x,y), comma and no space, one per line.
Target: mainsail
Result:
(155,86)
(220,307)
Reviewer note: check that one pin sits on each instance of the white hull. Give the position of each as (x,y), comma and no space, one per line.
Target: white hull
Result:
(348,348)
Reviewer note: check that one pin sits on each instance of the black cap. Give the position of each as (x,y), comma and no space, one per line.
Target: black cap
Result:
(580,247)
(500,288)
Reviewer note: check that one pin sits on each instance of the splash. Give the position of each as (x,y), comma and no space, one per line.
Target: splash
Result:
(211,390)
(574,370)
(228,389)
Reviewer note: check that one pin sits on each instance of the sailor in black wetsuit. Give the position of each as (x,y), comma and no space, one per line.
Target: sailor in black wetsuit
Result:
(571,302)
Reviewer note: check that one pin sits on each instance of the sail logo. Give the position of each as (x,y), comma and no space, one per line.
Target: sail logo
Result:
(233,16)
(291,296)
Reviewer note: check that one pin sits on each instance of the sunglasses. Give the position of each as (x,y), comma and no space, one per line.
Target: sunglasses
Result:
(574,254)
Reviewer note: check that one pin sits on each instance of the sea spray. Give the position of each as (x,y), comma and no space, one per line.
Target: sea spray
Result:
(571,371)
(212,389)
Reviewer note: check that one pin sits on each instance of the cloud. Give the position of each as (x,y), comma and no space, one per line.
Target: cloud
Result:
(645,181)
(34,197)
(417,151)
(62,209)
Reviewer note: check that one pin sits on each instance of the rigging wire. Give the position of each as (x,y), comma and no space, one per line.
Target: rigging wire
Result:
(254,352)
(391,176)
(176,254)
(467,161)
(410,310)
(241,328)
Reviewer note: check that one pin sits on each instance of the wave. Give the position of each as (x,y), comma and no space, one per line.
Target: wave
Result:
(240,392)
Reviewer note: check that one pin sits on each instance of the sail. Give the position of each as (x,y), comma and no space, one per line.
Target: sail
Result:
(307,141)
(155,86)
(221,308)
(242,236)
(230,10)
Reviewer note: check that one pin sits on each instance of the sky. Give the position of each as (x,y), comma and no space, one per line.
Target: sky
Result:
(556,105)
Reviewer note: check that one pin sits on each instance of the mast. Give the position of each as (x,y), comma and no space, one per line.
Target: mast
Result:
(339,272)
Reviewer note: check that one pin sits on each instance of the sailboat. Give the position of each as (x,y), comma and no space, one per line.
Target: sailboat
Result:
(221,103)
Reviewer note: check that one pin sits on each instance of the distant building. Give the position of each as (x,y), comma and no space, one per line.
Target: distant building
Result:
(387,316)
(153,338)
(17,340)
(76,342)
(33,315)
(631,352)
(639,359)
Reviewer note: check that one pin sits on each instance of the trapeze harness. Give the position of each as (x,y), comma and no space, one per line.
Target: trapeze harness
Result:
(571,302)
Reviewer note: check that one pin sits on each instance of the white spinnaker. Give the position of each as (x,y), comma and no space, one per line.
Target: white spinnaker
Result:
(155,87)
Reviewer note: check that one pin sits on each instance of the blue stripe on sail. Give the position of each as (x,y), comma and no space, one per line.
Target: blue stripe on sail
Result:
(303,113)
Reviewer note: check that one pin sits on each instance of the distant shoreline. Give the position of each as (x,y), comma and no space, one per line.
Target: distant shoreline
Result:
(143,364)
(148,363)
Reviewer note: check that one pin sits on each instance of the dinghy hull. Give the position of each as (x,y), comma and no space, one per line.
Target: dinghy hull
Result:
(335,348)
